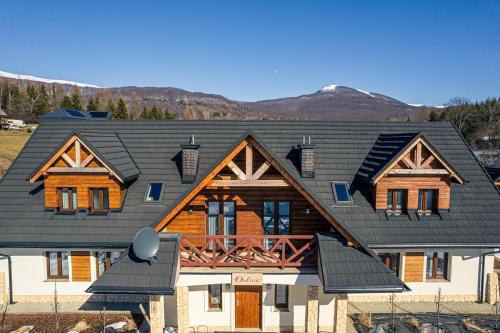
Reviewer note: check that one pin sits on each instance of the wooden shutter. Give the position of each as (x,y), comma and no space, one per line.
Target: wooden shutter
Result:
(80,265)
(414,266)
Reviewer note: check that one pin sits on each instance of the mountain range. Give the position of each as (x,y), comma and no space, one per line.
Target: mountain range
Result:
(332,102)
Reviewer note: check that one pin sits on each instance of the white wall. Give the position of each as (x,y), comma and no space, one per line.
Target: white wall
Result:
(29,274)
(296,314)
(201,315)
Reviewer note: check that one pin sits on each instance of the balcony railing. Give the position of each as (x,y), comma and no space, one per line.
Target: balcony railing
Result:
(248,251)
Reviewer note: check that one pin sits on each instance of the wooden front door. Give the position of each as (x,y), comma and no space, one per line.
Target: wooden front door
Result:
(248,306)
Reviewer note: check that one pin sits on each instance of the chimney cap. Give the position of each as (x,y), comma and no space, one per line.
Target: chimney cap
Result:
(191,144)
(306,143)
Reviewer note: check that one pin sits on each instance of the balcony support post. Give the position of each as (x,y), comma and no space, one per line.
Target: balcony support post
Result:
(312,309)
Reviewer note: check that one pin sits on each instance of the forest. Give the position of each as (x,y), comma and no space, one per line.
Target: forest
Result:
(30,100)
(479,122)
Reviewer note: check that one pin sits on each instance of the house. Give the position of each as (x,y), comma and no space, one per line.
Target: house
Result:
(270,225)
(494,173)
(3,117)
(70,114)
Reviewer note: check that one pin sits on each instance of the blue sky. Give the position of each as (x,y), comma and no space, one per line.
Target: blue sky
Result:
(416,51)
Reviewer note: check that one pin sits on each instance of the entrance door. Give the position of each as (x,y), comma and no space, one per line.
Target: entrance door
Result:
(248,306)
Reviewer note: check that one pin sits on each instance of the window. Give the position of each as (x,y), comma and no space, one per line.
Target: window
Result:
(391,261)
(99,200)
(427,200)
(227,218)
(275,221)
(68,200)
(105,260)
(154,192)
(437,265)
(396,201)
(341,192)
(215,296)
(281,296)
(57,265)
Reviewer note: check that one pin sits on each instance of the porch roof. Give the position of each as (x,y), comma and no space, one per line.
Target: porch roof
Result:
(354,270)
(130,275)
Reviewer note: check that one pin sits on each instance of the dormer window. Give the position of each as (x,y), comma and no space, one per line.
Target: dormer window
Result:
(154,192)
(427,201)
(99,199)
(68,199)
(396,201)
(341,192)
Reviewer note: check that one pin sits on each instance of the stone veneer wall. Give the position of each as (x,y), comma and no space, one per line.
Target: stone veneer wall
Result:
(492,288)
(3,288)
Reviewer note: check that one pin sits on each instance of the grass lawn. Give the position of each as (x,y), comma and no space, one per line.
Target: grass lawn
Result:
(11,143)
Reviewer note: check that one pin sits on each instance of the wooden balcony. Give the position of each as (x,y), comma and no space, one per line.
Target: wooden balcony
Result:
(248,251)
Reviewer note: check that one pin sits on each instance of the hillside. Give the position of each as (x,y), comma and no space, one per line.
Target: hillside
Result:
(24,96)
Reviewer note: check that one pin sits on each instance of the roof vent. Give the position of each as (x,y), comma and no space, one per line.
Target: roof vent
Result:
(306,158)
(190,157)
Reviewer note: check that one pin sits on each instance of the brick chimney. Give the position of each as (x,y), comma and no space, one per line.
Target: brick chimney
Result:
(190,157)
(306,158)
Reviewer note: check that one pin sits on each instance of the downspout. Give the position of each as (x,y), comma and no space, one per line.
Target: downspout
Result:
(9,262)
(482,264)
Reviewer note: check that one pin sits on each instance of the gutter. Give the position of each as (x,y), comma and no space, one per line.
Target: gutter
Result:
(367,290)
(482,275)
(9,261)
(441,245)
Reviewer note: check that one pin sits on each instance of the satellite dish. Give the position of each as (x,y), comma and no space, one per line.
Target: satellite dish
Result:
(146,244)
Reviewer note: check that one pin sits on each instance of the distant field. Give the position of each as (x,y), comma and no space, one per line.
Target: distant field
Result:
(11,143)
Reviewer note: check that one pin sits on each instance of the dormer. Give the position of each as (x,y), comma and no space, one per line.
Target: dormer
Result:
(86,171)
(408,174)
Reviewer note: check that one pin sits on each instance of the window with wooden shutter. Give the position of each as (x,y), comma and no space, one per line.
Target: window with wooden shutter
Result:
(80,266)
(414,267)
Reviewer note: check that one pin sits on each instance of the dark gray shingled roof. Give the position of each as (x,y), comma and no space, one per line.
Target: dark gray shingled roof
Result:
(109,148)
(340,150)
(385,150)
(130,275)
(347,269)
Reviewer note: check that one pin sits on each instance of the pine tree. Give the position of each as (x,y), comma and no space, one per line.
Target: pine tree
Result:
(66,102)
(155,113)
(121,110)
(76,99)
(91,105)
(169,115)
(42,105)
(111,106)
(145,114)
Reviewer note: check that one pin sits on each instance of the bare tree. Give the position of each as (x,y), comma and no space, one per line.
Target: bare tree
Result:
(55,308)
(438,299)
(393,311)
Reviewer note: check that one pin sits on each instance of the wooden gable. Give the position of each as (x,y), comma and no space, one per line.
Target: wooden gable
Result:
(419,159)
(250,165)
(74,157)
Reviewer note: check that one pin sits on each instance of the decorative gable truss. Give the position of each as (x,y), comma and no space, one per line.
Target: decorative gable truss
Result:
(248,169)
(74,157)
(419,159)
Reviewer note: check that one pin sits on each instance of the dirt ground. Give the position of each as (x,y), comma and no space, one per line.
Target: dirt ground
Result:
(11,143)
(45,322)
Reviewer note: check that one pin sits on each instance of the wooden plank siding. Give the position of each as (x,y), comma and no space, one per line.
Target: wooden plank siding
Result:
(80,265)
(83,183)
(249,206)
(413,184)
(414,267)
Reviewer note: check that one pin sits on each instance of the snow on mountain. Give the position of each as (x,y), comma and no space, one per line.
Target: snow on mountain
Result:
(333,87)
(329,87)
(417,105)
(39,79)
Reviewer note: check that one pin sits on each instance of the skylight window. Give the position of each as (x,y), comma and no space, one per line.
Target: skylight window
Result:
(341,192)
(154,192)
